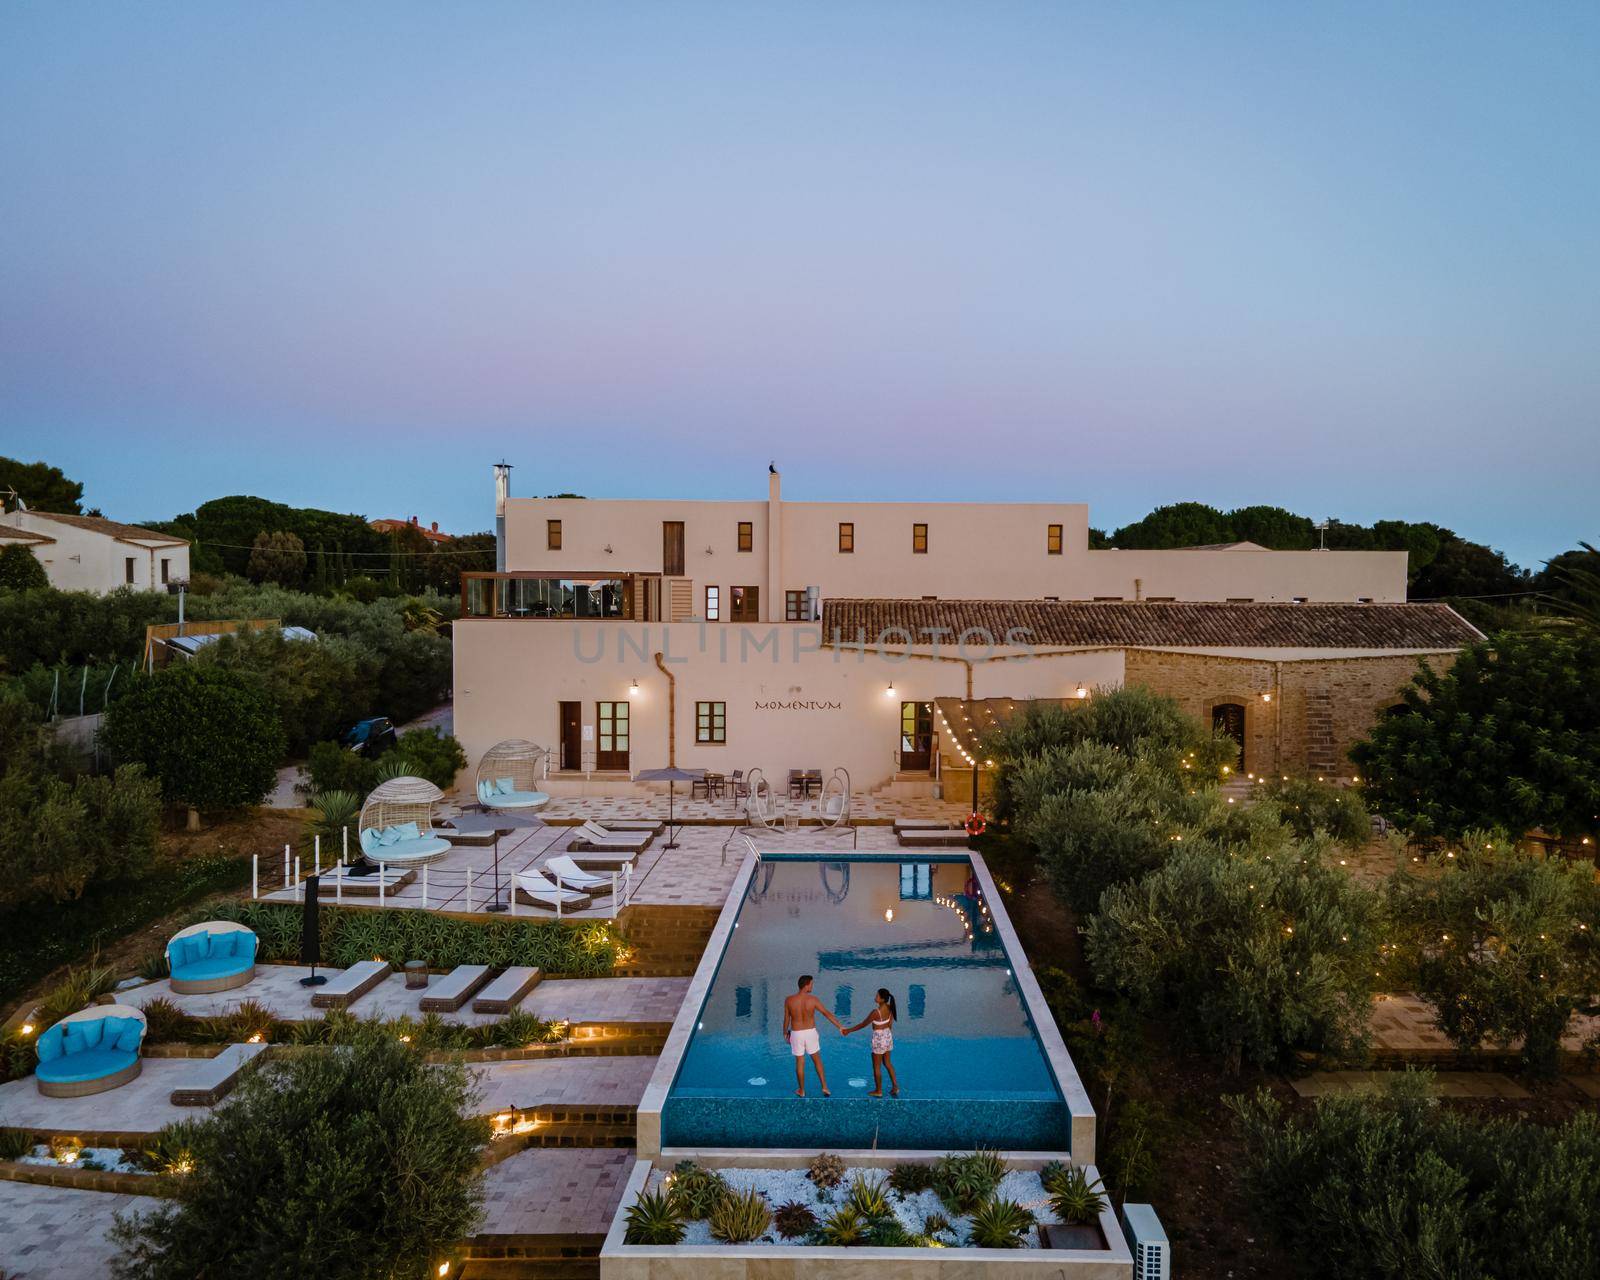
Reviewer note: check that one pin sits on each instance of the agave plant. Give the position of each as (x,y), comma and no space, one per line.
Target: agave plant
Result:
(888,1232)
(793,1219)
(999,1224)
(164,1021)
(1074,1199)
(696,1190)
(654,1218)
(739,1217)
(935,1224)
(15,1143)
(826,1169)
(519,1028)
(844,1228)
(868,1197)
(331,812)
(153,967)
(962,1181)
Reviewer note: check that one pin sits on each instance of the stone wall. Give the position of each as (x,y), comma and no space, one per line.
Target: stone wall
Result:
(1317,710)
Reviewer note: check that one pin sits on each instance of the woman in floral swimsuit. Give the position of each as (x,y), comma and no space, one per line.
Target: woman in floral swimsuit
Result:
(882,1020)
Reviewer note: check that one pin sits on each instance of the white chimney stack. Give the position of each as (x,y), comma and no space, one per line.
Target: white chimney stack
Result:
(502,492)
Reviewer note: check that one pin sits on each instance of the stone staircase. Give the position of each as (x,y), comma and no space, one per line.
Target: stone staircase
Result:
(666,941)
(532,1257)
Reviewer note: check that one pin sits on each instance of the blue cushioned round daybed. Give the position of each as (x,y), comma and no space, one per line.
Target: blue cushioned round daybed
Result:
(508,775)
(396,826)
(218,955)
(90,1051)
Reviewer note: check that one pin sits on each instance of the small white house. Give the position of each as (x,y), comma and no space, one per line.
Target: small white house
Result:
(89,553)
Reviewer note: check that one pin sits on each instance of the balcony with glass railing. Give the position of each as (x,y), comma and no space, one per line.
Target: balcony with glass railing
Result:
(600,596)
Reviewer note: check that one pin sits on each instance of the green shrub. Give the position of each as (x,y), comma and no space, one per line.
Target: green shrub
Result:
(15,1143)
(653,1218)
(1309,807)
(1254,958)
(432,754)
(164,1022)
(518,1029)
(887,1232)
(999,1224)
(697,1191)
(332,768)
(211,737)
(739,1217)
(367,1156)
(582,949)
(20,569)
(792,1219)
(964,1181)
(1394,1185)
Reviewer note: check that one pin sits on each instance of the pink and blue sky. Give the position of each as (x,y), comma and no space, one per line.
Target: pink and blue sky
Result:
(1340,257)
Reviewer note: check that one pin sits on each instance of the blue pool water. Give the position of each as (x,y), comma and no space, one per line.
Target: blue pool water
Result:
(970,1065)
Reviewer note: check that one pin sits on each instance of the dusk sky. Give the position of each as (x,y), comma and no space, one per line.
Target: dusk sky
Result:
(1341,258)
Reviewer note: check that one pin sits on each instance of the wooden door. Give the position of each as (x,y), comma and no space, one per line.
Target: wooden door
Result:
(572,735)
(672,548)
(611,735)
(916,736)
(1228,718)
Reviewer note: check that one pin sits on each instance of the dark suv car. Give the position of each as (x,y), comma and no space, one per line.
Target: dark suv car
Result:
(370,737)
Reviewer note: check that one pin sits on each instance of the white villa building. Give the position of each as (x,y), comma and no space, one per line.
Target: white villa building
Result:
(89,553)
(881,637)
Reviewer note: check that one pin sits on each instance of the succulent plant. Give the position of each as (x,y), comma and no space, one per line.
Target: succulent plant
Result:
(844,1227)
(15,1143)
(793,1219)
(740,1216)
(697,1191)
(654,1218)
(888,1233)
(1074,1199)
(999,1224)
(826,1169)
(935,1224)
(964,1181)
(909,1179)
(868,1196)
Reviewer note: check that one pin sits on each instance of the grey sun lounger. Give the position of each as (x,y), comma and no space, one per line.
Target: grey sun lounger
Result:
(452,991)
(592,836)
(507,991)
(635,825)
(210,1080)
(922,824)
(351,985)
(952,838)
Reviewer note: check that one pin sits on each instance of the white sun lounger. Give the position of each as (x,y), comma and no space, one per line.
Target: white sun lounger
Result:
(634,825)
(209,1080)
(592,836)
(564,871)
(506,992)
(451,991)
(535,889)
(351,985)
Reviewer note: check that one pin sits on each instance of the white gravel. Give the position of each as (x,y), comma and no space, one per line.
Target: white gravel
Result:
(780,1186)
(108,1158)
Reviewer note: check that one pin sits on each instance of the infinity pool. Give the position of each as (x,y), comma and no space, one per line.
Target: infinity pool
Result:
(971,1068)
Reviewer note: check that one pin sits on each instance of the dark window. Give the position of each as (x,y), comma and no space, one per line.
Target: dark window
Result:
(1241,599)
(794,606)
(166,570)
(919,539)
(552,534)
(713,604)
(127,569)
(747,536)
(672,548)
(1052,539)
(1108,597)
(847,537)
(1161,599)
(746,604)
(711,722)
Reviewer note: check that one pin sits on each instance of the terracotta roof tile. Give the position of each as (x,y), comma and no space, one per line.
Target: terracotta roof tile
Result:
(12,534)
(113,528)
(1147,624)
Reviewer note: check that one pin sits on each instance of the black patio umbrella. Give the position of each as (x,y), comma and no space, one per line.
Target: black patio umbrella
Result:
(671,776)
(311,931)
(495,820)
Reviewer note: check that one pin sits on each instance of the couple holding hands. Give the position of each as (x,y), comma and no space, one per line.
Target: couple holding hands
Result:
(800,1029)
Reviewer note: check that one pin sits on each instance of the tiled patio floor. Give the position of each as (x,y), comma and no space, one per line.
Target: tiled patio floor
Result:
(699,872)
(142,1105)
(53,1233)
(555,1191)
(277,986)
(1404,1022)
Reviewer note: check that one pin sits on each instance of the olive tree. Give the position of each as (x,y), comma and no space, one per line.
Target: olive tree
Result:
(355,1163)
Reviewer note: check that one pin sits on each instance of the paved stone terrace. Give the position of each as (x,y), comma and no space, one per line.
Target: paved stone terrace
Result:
(142,1105)
(555,1191)
(699,872)
(277,986)
(56,1233)
(1404,1023)
(863,808)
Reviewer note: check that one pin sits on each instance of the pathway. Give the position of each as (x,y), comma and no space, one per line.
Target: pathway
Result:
(55,1233)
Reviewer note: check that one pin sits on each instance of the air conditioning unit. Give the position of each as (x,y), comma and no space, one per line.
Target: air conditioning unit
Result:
(1152,1255)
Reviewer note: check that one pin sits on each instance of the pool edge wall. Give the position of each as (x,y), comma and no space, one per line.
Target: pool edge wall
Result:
(1080,1113)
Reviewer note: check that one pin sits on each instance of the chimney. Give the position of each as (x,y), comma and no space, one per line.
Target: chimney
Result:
(502,492)
(773,609)
(435,526)
(413,522)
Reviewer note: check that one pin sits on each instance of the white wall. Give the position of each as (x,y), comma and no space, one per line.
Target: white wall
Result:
(834,707)
(90,560)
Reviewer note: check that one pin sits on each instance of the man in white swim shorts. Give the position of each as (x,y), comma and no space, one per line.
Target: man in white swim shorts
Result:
(800,1029)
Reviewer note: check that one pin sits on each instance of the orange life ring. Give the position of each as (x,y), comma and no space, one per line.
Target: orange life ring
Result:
(975,824)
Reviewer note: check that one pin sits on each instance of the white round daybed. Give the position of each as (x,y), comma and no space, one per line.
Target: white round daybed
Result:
(509,775)
(396,826)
